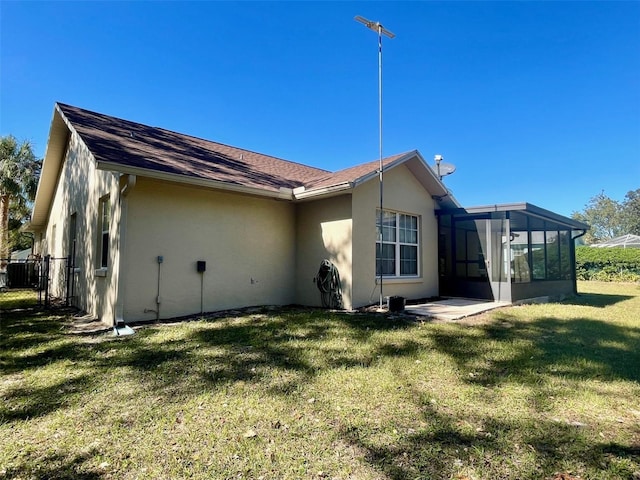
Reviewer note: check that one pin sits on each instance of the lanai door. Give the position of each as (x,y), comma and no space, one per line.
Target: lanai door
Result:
(494,239)
(500,267)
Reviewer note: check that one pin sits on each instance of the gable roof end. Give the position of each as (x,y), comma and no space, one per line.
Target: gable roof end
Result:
(53,158)
(351,177)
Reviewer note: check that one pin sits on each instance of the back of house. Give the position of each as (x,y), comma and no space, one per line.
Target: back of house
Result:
(150,224)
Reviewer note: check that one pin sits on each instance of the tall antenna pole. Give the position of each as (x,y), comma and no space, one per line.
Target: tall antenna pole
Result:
(380,30)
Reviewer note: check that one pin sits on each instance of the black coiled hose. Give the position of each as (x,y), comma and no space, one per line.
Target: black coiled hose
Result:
(328,282)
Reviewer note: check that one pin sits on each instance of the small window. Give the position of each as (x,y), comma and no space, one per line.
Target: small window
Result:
(73,232)
(397,252)
(103,231)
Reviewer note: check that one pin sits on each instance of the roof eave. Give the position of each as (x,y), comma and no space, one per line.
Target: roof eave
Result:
(59,134)
(443,197)
(281,194)
(388,166)
(301,194)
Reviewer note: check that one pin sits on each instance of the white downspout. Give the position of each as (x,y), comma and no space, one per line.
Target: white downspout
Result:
(119,326)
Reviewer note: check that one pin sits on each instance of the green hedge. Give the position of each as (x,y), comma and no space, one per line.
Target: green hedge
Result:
(608,264)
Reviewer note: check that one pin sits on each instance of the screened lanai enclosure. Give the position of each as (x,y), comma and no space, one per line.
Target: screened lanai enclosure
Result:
(507,252)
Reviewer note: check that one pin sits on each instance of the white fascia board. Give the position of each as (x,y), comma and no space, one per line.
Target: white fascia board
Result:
(414,154)
(282,194)
(430,170)
(324,191)
(446,192)
(389,166)
(59,134)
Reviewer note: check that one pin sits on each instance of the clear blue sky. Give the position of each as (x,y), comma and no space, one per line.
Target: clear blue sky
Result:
(532,101)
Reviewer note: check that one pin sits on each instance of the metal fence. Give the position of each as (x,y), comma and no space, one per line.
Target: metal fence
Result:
(35,282)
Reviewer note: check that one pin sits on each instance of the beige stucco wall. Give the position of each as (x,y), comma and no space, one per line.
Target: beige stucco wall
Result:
(79,188)
(323,230)
(402,193)
(248,244)
(258,251)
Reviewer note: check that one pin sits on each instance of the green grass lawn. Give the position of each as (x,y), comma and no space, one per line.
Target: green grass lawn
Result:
(527,392)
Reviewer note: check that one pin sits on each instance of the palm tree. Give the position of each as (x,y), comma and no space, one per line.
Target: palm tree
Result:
(19,173)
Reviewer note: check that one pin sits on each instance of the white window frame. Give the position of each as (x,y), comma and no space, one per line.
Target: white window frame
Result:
(398,244)
(103,230)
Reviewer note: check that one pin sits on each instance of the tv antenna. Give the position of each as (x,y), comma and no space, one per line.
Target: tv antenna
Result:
(442,168)
(380,30)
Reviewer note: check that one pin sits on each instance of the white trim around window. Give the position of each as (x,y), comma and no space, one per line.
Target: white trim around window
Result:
(397,245)
(104,219)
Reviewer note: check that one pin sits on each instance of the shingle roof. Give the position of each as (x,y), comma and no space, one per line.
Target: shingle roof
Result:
(125,143)
(122,143)
(351,174)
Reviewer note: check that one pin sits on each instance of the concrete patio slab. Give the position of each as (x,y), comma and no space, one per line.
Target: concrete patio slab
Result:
(453,308)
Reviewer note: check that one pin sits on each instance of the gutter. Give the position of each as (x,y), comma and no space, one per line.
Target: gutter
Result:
(119,326)
(301,193)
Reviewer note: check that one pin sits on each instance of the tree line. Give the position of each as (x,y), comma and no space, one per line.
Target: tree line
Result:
(609,218)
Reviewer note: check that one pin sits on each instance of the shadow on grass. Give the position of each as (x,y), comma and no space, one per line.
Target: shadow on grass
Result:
(217,352)
(16,323)
(598,300)
(32,402)
(447,448)
(303,344)
(33,339)
(298,345)
(292,342)
(577,349)
(580,349)
(57,467)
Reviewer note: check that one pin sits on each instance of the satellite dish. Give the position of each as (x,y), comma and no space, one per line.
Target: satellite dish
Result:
(446,169)
(442,168)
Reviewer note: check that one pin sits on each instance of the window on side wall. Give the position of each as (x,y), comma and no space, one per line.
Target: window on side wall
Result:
(397,244)
(73,234)
(104,215)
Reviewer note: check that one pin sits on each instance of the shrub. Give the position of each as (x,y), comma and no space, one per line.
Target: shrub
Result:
(608,264)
